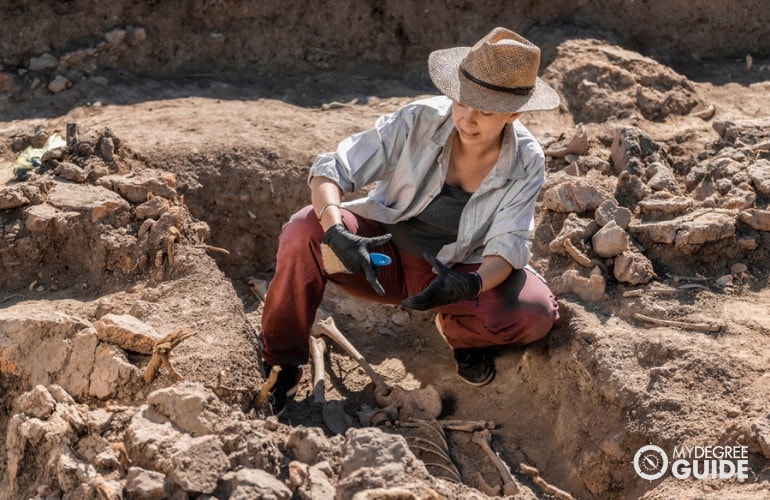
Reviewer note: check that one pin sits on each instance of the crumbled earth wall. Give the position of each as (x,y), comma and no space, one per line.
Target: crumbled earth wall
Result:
(297,35)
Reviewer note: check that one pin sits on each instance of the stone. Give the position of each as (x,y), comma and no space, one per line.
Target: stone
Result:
(400,318)
(59,84)
(98,420)
(143,484)
(152,209)
(696,228)
(310,483)
(662,179)
(249,483)
(95,201)
(633,268)
(756,219)
(12,197)
(589,289)
(127,332)
(609,241)
(667,206)
(306,444)
(43,61)
(111,372)
(574,196)
(187,405)
(197,463)
(610,211)
(629,144)
(576,229)
(759,172)
(761,431)
(140,186)
(630,190)
(148,438)
(39,218)
(37,403)
(70,171)
(738,268)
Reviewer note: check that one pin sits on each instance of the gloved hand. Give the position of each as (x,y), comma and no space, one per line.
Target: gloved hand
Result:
(448,287)
(353,252)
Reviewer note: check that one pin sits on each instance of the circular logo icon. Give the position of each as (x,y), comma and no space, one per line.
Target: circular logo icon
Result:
(650,462)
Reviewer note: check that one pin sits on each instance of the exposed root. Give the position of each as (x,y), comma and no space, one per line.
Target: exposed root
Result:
(161,352)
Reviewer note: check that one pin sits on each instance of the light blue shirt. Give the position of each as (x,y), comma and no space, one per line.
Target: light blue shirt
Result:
(407,153)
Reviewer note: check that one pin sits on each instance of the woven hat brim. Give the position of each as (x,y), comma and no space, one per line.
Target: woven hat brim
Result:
(444,70)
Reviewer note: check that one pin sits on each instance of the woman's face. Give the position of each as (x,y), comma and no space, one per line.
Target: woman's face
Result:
(478,127)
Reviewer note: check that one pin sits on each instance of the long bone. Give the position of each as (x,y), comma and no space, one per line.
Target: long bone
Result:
(483,438)
(422,403)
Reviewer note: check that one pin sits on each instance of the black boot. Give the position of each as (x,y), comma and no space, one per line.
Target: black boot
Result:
(475,365)
(285,387)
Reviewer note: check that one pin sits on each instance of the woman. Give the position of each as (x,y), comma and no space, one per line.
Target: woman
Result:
(457,177)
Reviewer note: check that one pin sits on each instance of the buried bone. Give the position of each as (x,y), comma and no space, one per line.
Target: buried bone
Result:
(483,438)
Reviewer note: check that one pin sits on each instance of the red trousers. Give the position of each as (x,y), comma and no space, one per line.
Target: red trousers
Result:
(519,311)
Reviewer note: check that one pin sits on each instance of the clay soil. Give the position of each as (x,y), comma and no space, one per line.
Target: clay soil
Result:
(575,405)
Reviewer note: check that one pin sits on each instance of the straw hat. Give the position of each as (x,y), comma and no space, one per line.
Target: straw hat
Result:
(497,74)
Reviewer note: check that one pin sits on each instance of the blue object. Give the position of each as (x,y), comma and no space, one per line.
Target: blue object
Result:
(380,259)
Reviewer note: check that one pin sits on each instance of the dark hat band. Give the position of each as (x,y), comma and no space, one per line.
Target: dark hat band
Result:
(499,88)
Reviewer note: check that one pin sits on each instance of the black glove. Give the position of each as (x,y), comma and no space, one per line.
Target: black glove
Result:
(353,252)
(448,287)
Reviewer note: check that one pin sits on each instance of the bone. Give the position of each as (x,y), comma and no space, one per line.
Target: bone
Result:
(547,488)
(317,348)
(483,439)
(701,327)
(272,378)
(483,487)
(456,425)
(418,403)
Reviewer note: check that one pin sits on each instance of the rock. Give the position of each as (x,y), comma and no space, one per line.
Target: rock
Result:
(610,211)
(188,406)
(138,187)
(666,206)
(153,208)
(662,179)
(759,173)
(739,197)
(400,318)
(40,218)
(633,268)
(197,464)
(696,228)
(589,289)
(725,280)
(37,403)
(738,269)
(98,420)
(576,196)
(59,84)
(577,144)
(127,332)
(12,197)
(630,190)
(575,229)
(306,444)
(45,347)
(99,203)
(143,484)
(310,483)
(43,61)
(373,459)
(761,431)
(246,484)
(630,145)
(111,372)
(756,219)
(609,241)
(148,438)
(70,171)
